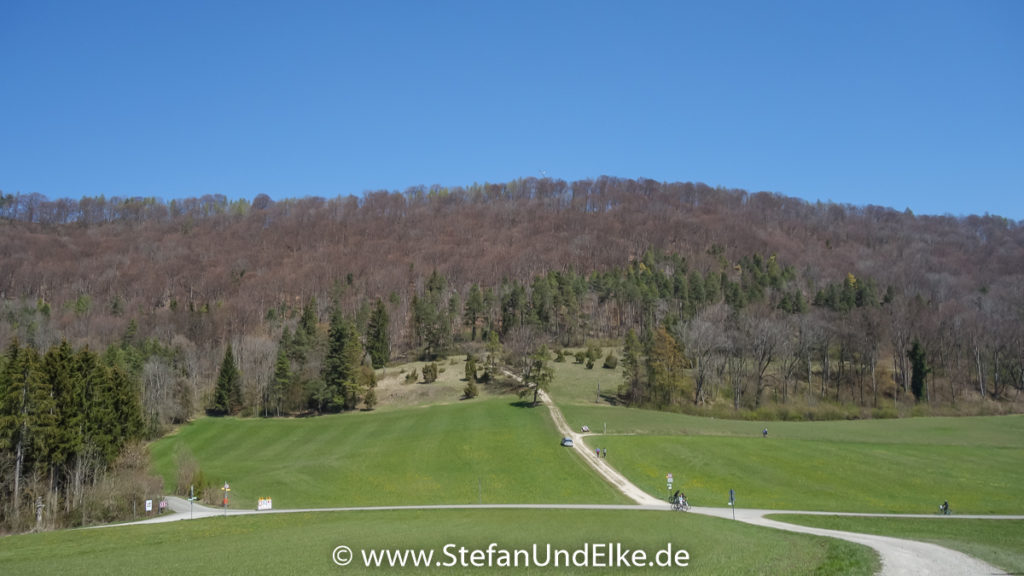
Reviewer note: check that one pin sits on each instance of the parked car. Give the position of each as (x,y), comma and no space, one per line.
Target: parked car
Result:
(567,442)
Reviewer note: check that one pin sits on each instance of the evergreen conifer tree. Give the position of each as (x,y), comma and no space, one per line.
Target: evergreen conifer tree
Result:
(378,341)
(227,393)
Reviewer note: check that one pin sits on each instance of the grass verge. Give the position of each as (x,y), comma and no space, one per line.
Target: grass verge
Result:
(998,542)
(776,473)
(302,544)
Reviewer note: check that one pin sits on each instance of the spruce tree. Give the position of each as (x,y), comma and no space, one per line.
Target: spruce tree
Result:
(282,379)
(474,309)
(470,368)
(632,388)
(227,394)
(60,367)
(27,419)
(341,363)
(308,321)
(918,369)
(127,405)
(378,341)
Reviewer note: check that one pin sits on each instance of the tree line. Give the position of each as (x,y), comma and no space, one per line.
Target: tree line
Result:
(66,418)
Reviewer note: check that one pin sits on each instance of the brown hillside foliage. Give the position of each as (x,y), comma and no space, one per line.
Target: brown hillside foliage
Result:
(201,272)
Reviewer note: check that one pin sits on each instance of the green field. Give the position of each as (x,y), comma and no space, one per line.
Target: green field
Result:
(985,431)
(907,466)
(302,543)
(998,542)
(784,474)
(478,451)
(426,447)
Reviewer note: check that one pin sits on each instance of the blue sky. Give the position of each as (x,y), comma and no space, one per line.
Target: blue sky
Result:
(901,104)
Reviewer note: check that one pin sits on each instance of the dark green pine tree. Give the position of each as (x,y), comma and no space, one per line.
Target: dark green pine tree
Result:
(127,402)
(344,355)
(227,393)
(632,388)
(334,370)
(470,368)
(307,323)
(61,368)
(378,341)
(101,427)
(918,369)
(282,379)
(27,415)
(432,317)
(359,380)
(473,310)
(471,390)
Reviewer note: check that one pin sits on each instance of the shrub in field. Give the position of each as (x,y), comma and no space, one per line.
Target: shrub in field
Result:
(430,373)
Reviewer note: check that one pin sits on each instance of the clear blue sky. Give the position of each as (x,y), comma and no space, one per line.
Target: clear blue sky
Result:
(902,104)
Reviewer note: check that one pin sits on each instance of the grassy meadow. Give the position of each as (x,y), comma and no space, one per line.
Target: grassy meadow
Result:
(826,475)
(906,465)
(998,542)
(486,450)
(302,544)
(425,446)
(986,431)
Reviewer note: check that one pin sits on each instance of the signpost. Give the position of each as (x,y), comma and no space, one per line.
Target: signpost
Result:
(149,506)
(226,488)
(732,502)
(191,499)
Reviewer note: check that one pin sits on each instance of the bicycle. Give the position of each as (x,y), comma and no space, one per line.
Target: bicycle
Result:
(681,505)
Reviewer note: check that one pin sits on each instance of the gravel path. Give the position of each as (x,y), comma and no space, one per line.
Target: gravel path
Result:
(600,465)
(899,557)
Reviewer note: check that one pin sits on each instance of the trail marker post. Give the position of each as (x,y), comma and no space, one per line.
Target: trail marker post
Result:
(226,489)
(191,499)
(732,502)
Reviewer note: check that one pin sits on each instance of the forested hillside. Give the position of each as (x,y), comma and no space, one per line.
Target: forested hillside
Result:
(124,316)
(759,293)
